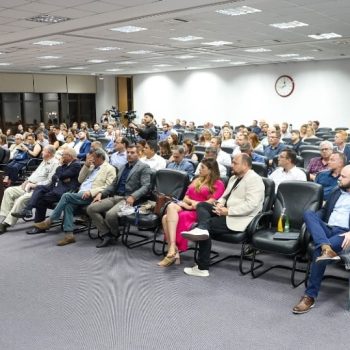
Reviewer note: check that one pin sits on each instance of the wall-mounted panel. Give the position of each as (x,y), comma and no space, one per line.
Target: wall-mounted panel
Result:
(16,82)
(50,83)
(81,84)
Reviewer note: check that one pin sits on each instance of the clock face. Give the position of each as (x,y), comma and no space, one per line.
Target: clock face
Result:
(284,85)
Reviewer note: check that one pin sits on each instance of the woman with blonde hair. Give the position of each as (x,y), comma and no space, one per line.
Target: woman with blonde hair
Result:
(227,139)
(204,138)
(180,216)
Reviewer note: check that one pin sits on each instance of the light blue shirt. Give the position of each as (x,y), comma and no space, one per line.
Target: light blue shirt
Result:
(341,211)
(118,159)
(87,184)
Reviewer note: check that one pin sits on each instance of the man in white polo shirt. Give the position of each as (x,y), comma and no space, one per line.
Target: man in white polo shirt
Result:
(151,158)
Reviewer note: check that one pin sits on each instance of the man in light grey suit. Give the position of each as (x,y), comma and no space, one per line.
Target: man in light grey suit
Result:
(239,204)
(133,182)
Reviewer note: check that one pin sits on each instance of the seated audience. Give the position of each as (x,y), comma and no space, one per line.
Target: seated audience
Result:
(3,141)
(239,204)
(17,145)
(132,183)
(329,228)
(285,131)
(227,137)
(16,197)
(204,138)
(241,138)
(275,147)
(151,157)
(303,131)
(173,140)
(256,144)
(189,150)
(181,215)
(212,152)
(64,180)
(119,157)
(223,157)
(95,175)
(328,179)
(248,149)
(53,140)
(318,164)
(310,133)
(287,169)
(140,145)
(82,145)
(41,140)
(295,140)
(179,162)
(340,140)
(165,133)
(164,149)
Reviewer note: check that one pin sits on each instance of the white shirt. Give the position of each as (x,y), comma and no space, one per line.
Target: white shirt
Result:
(156,162)
(44,172)
(280,175)
(223,158)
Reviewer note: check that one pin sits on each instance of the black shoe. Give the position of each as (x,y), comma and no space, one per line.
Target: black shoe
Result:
(107,240)
(3,228)
(35,231)
(24,213)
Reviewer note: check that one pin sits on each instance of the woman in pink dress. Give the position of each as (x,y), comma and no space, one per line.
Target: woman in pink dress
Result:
(180,216)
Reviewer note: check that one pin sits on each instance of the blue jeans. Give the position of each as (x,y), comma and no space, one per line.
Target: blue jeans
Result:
(321,234)
(67,204)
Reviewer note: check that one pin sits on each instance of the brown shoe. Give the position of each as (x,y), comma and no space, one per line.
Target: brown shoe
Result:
(327,254)
(43,225)
(68,239)
(305,304)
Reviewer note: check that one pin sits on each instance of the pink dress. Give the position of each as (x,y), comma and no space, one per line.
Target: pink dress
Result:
(188,217)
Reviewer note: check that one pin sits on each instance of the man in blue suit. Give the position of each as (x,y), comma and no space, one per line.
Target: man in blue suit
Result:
(64,180)
(179,162)
(330,230)
(82,146)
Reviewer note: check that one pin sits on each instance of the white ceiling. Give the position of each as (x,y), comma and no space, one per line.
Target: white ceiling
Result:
(90,23)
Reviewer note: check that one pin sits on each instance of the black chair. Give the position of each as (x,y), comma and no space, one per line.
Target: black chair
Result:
(324,129)
(260,168)
(189,135)
(296,197)
(244,238)
(228,150)
(312,140)
(199,148)
(304,147)
(340,128)
(308,155)
(200,155)
(5,158)
(167,181)
(104,141)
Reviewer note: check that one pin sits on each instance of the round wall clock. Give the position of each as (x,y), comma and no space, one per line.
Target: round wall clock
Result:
(284,85)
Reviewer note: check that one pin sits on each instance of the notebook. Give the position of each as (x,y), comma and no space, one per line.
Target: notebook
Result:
(286,235)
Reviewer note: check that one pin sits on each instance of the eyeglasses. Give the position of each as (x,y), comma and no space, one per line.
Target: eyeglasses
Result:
(326,149)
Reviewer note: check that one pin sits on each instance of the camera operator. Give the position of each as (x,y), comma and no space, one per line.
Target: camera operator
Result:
(149,132)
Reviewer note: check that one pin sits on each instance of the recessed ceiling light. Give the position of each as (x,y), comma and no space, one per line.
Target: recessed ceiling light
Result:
(127,62)
(78,67)
(162,65)
(221,60)
(185,57)
(237,11)
(97,61)
(49,57)
(5,64)
(304,58)
(218,43)
(49,67)
(113,70)
(128,29)
(288,25)
(238,63)
(139,52)
(48,43)
(286,55)
(48,19)
(187,38)
(260,49)
(325,36)
(107,48)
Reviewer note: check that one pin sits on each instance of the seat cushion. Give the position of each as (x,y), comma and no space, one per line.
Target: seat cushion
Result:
(230,237)
(144,220)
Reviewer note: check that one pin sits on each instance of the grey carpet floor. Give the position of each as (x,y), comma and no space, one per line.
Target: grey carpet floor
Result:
(80,297)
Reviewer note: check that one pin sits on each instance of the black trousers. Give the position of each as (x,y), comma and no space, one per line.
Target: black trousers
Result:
(216,225)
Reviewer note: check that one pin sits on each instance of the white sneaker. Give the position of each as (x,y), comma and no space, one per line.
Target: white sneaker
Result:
(195,271)
(197,234)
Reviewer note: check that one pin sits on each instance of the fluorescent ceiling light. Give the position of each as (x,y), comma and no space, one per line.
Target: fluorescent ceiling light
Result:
(260,49)
(48,19)
(48,43)
(78,68)
(107,48)
(97,61)
(128,29)
(325,36)
(5,64)
(218,43)
(304,58)
(187,38)
(221,60)
(49,57)
(288,25)
(237,11)
(238,63)
(49,67)
(185,57)
(113,70)
(139,52)
(162,65)
(127,62)
(286,55)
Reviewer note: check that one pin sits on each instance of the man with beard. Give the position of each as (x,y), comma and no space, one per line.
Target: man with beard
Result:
(329,228)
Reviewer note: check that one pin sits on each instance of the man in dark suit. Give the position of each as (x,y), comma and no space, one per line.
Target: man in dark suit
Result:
(64,180)
(330,230)
(133,182)
(82,146)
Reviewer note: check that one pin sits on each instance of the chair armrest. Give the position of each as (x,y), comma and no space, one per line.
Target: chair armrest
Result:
(262,220)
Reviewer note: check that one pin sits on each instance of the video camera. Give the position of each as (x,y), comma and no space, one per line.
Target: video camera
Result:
(130,115)
(114,113)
